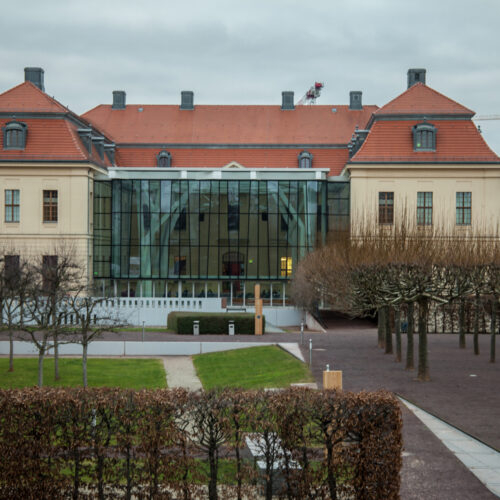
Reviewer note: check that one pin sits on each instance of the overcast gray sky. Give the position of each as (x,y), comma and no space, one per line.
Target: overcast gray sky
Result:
(247,52)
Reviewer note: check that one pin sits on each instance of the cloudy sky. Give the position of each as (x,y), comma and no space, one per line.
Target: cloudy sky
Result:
(247,52)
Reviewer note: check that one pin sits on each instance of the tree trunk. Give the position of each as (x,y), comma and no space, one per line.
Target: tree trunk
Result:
(410,364)
(388,330)
(493,331)
(56,357)
(461,325)
(381,326)
(11,350)
(397,328)
(212,485)
(423,362)
(476,327)
(332,480)
(84,363)
(41,354)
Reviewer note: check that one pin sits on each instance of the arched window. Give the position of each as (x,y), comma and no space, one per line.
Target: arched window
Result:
(14,135)
(424,137)
(164,159)
(305,159)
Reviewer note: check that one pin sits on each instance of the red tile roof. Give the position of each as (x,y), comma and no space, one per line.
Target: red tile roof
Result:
(157,124)
(50,139)
(456,141)
(420,99)
(334,159)
(27,97)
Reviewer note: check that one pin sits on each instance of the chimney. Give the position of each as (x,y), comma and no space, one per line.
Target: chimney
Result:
(187,99)
(355,99)
(119,99)
(287,100)
(416,75)
(35,76)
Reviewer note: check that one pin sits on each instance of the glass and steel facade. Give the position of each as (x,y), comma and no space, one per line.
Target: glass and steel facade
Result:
(153,232)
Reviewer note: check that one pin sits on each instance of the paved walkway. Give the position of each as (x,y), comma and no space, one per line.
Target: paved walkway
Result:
(181,372)
(480,459)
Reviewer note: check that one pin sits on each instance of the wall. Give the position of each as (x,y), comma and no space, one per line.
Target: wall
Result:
(33,237)
(483,181)
(154,312)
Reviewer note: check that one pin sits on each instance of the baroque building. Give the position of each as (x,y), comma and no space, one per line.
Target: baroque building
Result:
(188,206)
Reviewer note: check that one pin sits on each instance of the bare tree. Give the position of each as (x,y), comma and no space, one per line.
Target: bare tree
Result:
(91,321)
(14,282)
(53,279)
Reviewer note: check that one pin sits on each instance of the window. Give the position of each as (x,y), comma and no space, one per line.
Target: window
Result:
(424,137)
(424,209)
(464,208)
(286,267)
(164,159)
(50,206)
(386,207)
(14,135)
(180,265)
(49,272)
(305,159)
(11,268)
(12,205)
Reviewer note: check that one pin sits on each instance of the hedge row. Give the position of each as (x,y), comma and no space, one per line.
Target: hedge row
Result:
(213,323)
(115,443)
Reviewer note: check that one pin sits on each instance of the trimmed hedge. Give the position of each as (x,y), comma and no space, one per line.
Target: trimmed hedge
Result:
(115,443)
(213,323)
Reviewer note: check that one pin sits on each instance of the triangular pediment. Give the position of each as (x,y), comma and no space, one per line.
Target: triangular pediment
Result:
(233,164)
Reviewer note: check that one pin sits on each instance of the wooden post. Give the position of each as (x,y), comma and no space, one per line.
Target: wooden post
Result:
(332,379)
(258,311)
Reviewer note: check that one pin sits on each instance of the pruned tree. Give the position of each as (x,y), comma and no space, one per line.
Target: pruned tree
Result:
(53,279)
(14,283)
(91,321)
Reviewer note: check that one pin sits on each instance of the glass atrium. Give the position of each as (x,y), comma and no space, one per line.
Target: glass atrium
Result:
(184,233)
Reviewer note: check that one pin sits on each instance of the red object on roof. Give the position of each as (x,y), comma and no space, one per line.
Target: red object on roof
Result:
(334,159)
(167,124)
(391,141)
(27,97)
(420,99)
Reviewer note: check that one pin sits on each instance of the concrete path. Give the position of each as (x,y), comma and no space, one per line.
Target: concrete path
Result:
(480,459)
(293,348)
(180,372)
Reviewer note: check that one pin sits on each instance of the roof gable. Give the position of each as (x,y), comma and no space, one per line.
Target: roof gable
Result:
(27,97)
(420,99)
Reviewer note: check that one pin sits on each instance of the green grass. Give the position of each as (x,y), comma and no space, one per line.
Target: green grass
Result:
(252,368)
(125,373)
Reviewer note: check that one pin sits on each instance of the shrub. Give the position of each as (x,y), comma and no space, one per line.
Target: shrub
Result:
(213,323)
(115,443)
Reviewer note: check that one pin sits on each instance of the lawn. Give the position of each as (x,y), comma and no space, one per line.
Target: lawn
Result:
(125,373)
(252,368)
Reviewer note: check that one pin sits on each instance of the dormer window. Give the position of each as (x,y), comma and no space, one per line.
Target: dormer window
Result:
(164,159)
(305,159)
(424,137)
(14,135)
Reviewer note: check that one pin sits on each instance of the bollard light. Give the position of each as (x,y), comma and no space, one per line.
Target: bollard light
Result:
(302,333)
(310,351)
